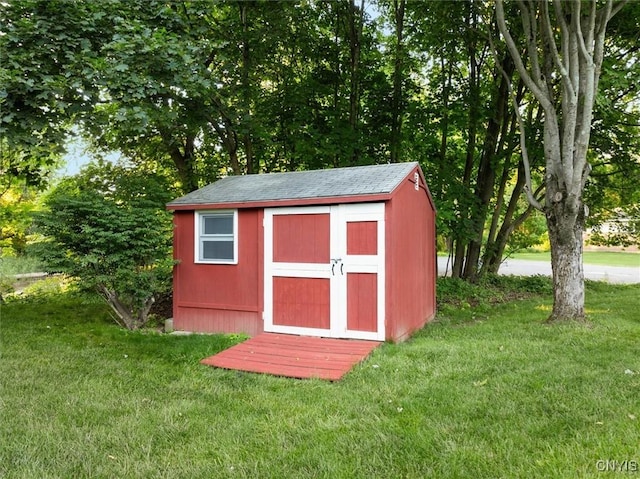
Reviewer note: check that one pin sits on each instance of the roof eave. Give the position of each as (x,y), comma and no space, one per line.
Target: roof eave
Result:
(281,203)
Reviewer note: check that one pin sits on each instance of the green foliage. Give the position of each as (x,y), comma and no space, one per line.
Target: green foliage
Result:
(6,287)
(202,90)
(17,204)
(47,49)
(612,192)
(531,233)
(107,226)
(490,290)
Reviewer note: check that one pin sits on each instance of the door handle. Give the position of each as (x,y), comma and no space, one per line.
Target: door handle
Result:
(335,261)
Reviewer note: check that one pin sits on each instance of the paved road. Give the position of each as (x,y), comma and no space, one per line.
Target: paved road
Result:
(610,274)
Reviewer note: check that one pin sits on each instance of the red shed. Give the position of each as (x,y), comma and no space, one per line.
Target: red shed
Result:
(345,253)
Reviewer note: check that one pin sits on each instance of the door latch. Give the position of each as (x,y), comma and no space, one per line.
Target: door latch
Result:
(335,261)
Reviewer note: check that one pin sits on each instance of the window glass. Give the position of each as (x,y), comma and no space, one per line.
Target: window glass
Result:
(218,224)
(217,250)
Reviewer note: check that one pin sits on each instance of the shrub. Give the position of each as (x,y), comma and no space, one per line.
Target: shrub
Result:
(107,226)
(490,289)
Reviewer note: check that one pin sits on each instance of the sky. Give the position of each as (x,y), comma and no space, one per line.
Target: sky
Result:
(77,156)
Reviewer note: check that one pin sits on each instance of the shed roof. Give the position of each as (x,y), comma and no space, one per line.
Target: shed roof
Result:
(354,181)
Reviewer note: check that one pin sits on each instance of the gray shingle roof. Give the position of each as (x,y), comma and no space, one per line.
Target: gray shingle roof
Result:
(330,183)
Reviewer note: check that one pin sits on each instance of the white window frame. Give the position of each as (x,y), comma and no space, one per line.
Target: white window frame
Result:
(199,236)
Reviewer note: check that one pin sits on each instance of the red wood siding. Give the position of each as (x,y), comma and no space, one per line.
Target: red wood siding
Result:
(207,320)
(301,302)
(214,297)
(362,237)
(362,306)
(302,238)
(410,260)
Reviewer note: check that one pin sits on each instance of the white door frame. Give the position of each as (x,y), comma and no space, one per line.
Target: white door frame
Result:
(340,265)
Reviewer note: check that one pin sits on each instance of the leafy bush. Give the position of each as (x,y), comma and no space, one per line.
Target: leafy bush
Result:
(6,287)
(490,289)
(108,227)
(537,284)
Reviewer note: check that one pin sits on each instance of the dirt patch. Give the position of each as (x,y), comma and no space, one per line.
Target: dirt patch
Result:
(163,306)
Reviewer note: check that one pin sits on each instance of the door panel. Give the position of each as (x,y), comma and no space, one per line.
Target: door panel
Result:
(362,302)
(301,238)
(362,237)
(301,302)
(324,270)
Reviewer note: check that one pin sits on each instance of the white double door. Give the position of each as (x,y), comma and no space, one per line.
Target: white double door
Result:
(324,270)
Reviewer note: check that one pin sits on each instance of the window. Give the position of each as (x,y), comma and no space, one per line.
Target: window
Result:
(216,237)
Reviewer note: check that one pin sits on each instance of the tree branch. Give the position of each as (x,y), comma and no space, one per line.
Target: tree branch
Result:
(531,35)
(616,8)
(557,60)
(541,95)
(523,144)
(578,27)
(564,28)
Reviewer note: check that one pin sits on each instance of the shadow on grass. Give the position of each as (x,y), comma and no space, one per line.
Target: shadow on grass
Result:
(54,313)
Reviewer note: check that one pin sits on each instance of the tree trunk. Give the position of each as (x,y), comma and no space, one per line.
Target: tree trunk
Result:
(356,21)
(337,77)
(245,70)
(565,236)
(444,123)
(182,159)
(463,236)
(495,247)
(123,313)
(491,244)
(224,128)
(485,183)
(398,74)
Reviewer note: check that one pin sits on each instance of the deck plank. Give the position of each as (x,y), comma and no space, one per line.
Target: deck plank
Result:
(294,356)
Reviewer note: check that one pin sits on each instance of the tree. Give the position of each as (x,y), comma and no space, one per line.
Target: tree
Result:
(46,81)
(470,133)
(107,226)
(564,45)
(196,86)
(202,90)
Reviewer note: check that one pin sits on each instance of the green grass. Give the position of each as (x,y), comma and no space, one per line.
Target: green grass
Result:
(11,265)
(608,258)
(485,391)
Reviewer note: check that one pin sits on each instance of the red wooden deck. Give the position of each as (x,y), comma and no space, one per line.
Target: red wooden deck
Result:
(294,356)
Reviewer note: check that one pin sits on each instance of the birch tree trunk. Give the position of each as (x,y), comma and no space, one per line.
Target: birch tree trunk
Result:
(564,49)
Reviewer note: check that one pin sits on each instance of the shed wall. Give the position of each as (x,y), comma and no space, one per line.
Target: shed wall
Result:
(219,298)
(411,260)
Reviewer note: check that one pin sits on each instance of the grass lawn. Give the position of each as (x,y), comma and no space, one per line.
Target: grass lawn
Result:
(10,265)
(485,391)
(608,258)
